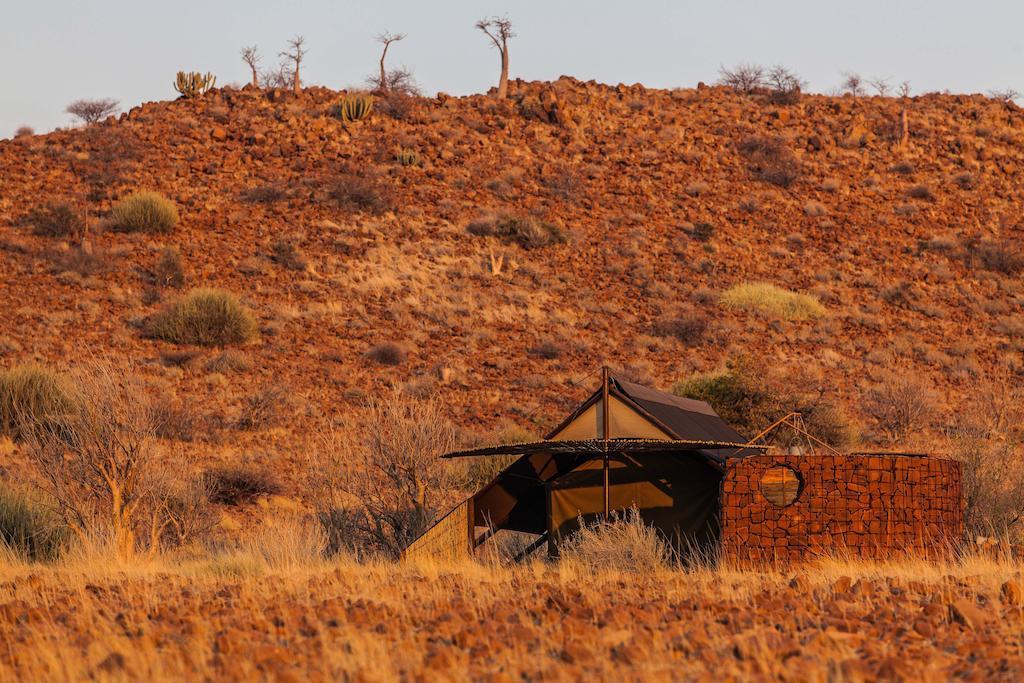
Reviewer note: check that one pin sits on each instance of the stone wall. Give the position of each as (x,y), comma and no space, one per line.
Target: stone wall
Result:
(865,505)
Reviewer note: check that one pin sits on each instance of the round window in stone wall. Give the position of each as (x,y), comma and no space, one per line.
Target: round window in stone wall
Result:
(780,485)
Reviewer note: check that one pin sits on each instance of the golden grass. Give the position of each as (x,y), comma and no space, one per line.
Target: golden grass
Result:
(772,301)
(250,613)
(204,316)
(144,211)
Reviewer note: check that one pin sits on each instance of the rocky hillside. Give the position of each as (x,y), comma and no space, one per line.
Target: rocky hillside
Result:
(499,252)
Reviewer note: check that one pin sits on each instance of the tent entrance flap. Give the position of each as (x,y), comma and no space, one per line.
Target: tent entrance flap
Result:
(676,493)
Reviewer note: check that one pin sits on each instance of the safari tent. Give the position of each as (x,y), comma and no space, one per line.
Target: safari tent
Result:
(704,487)
(625,446)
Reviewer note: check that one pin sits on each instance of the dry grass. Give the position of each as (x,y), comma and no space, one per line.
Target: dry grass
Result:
(272,608)
(206,317)
(144,212)
(772,301)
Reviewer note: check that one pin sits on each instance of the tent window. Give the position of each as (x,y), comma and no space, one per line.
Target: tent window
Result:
(781,485)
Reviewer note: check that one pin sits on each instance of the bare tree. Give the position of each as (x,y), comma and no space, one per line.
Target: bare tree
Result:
(881,86)
(386,39)
(853,84)
(499,30)
(745,78)
(785,85)
(294,54)
(99,465)
(91,111)
(1006,95)
(251,56)
(903,132)
(381,478)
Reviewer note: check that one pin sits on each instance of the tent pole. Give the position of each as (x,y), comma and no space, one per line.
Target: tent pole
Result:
(604,434)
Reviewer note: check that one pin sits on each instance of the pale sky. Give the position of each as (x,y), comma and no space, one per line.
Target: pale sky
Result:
(56,51)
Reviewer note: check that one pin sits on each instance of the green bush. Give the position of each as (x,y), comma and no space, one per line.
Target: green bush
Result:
(772,301)
(30,392)
(750,396)
(30,529)
(144,212)
(207,317)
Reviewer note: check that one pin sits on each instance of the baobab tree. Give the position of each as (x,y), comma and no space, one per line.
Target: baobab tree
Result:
(386,39)
(295,55)
(251,56)
(91,111)
(499,30)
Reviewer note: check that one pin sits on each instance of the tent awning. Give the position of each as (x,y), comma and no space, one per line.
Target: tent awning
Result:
(601,445)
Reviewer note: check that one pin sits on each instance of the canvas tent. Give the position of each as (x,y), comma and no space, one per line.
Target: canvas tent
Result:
(625,446)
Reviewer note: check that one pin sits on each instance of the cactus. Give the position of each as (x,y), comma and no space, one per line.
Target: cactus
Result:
(352,108)
(193,83)
(407,157)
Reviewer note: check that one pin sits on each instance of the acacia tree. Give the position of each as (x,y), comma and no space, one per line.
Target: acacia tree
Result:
(386,39)
(91,111)
(251,56)
(499,30)
(294,54)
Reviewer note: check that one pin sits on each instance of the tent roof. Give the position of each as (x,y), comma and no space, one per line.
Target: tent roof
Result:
(592,446)
(684,419)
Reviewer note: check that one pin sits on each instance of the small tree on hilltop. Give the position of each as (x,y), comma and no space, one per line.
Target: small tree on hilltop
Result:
(853,85)
(385,39)
(499,30)
(785,85)
(91,111)
(295,54)
(745,78)
(251,56)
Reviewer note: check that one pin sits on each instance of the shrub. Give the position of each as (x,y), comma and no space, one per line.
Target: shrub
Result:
(206,317)
(30,393)
(622,543)
(750,396)
(526,231)
(24,132)
(361,193)
(268,193)
(771,160)
(999,255)
(57,220)
(548,350)
(169,271)
(235,485)
(686,326)
(263,408)
(386,354)
(993,484)
(30,529)
(921,192)
(287,253)
(772,301)
(144,212)
(901,404)
(382,476)
(229,360)
(174,419)
(396,105)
